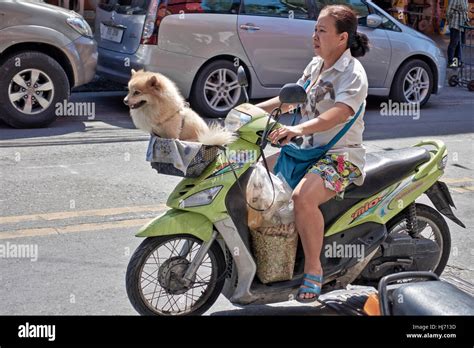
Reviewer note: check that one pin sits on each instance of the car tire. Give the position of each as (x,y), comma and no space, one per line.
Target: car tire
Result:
(222,74)
(52,87)
(406,77)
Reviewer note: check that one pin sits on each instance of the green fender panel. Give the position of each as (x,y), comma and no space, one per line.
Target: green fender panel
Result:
(176,221)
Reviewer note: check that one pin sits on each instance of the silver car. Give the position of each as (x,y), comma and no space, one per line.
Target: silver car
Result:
(200,43)
(44,52)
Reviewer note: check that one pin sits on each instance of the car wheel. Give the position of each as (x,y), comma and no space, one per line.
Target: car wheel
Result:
(216,89)
(413,83)
(31,85)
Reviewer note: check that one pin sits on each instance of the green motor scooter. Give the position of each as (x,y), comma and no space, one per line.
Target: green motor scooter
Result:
(201,247)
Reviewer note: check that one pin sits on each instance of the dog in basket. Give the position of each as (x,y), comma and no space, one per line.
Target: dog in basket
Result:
(157,107)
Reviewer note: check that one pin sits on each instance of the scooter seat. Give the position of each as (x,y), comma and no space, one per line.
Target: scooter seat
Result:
(385,168)
(431,298)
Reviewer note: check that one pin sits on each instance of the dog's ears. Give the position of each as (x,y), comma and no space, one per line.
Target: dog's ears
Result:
(134,71)
(153,82)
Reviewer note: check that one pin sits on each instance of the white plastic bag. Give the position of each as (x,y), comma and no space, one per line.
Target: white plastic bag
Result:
(259,189)
(270,205)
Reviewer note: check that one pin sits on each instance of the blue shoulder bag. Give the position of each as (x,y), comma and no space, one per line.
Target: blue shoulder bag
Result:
(294,161)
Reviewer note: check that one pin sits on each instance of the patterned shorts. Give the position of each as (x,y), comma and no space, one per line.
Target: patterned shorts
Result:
(336,172)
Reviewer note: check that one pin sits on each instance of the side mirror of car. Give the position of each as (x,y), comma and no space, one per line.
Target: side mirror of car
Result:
(292,93)
(242,77)
(374,21)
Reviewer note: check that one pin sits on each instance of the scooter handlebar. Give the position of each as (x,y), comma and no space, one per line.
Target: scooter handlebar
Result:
(296,140)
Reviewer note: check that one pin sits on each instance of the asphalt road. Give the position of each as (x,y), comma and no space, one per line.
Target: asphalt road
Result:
(79,190)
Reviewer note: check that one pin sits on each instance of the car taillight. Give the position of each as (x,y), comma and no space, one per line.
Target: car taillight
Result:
(150,29)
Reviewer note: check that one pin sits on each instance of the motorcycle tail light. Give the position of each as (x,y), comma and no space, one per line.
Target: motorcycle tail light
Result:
(372,305)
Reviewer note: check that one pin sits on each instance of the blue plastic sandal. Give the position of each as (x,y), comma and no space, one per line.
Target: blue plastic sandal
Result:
(310,288)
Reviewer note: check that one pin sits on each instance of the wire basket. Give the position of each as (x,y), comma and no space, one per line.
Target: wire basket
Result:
(180,158)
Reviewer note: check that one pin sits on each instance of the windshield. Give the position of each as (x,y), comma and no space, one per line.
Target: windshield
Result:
(130,7)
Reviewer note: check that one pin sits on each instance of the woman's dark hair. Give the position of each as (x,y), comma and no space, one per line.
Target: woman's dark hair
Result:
(346,21)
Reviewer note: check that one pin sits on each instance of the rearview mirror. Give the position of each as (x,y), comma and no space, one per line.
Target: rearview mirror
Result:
(242,77)
(374,20)
(292,93)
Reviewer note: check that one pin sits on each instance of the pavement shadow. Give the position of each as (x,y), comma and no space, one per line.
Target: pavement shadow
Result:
(284,310)
(108,109)
(62,126)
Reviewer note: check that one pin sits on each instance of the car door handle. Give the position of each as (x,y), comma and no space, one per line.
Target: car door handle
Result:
(112,24)
(249,26)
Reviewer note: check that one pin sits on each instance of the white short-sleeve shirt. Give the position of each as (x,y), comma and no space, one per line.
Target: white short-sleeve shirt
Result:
(344,82)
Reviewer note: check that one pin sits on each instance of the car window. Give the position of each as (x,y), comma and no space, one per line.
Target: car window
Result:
(362,10)
(129,7)
(202,6)
(357,5)
(300,9)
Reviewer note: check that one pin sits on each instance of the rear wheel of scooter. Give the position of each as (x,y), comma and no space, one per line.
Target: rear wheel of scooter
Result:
(155,272)
(433,226)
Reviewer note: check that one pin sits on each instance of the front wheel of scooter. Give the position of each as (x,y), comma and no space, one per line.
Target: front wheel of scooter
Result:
(156,269)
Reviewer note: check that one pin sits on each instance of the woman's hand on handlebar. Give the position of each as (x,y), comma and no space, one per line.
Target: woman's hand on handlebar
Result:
(284,134)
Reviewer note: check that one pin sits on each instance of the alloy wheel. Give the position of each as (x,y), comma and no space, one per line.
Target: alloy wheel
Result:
(416,85)
(31,91)
(222,90)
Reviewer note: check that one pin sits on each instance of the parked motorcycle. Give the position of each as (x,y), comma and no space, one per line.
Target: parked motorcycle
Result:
(201,247)
(399,294)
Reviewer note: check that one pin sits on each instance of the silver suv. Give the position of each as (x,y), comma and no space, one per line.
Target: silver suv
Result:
(200,43)
(44,52)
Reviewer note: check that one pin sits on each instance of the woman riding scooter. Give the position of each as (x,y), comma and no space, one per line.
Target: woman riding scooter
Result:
(336,86)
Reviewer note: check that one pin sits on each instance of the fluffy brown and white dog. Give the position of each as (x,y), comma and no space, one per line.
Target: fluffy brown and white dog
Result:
(156,106)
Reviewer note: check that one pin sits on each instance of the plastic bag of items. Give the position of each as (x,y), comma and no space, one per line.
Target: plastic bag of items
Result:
(272,227)
(269,205)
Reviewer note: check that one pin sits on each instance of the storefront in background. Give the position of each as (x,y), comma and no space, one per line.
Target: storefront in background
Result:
(84,7)
(426,16)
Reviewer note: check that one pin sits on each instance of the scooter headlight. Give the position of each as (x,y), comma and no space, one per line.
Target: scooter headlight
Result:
(236,119)
(204,197)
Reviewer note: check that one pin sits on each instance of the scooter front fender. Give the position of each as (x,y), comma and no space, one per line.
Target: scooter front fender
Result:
(176,221)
